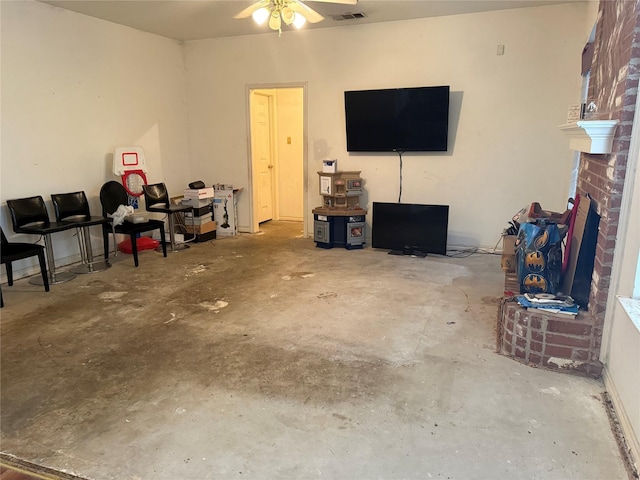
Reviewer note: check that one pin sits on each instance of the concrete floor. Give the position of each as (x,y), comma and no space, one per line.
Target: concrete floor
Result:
(265,357)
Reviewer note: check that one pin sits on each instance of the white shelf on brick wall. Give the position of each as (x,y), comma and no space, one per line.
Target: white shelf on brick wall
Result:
(590,136)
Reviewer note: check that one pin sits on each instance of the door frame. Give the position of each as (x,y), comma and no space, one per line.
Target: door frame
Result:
(305,163)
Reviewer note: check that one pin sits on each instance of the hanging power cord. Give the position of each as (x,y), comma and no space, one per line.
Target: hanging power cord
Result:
(468,251)
(453,252)
(400,193)
(178,225)
(181,226)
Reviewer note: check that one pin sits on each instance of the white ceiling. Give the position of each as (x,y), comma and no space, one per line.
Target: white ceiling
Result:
(199,19)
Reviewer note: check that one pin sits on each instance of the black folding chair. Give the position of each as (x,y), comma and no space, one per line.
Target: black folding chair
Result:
(13,251)
(112,195)
(73,208)
(30,216)
(156,199)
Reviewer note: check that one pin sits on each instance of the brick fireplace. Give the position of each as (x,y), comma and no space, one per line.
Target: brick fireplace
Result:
(573,344)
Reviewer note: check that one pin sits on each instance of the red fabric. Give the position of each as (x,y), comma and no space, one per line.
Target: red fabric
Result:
(144,243)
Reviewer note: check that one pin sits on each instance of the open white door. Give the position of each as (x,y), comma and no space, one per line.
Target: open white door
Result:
(262,156)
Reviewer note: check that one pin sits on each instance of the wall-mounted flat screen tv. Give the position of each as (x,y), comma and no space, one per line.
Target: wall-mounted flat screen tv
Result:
(397,120)
(410,228)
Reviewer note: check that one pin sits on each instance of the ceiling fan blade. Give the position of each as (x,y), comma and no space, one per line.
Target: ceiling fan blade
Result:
(342,2)
(311,15)
(246,13)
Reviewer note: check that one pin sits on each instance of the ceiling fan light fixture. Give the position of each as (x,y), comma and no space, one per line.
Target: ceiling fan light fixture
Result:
(260,16)
(290,12)
(274,21)
(288,15)
(299,21)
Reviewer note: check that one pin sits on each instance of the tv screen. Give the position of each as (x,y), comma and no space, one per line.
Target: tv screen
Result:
(410,228)
(397,120)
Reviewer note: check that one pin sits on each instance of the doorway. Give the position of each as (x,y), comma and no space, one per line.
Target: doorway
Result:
(277,160)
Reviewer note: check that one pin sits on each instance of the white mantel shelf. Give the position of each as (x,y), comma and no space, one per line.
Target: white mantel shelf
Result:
(590,136)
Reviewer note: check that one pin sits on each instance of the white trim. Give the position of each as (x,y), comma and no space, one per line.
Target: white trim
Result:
(631,307)
(626,211)
(305,150)
(625,424)
(591,136)
(34,268)
(249,158)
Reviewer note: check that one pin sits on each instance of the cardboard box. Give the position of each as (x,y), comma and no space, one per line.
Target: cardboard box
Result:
(198,203)
(329,166)
(200,211)
(198,220)
(198,194)
(509,253)
(200,229)
(225,210)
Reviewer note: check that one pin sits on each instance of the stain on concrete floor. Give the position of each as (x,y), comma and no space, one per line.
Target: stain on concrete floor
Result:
(265,357)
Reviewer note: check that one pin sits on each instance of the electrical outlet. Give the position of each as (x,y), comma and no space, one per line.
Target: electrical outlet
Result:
(500,50)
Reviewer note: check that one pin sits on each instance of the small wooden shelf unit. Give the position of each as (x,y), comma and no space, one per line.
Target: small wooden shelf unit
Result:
(340,221)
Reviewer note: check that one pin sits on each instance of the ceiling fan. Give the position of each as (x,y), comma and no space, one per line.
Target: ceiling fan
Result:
(291,12)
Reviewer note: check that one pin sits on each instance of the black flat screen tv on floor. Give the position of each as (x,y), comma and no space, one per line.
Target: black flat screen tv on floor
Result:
(397,119)
(410,228)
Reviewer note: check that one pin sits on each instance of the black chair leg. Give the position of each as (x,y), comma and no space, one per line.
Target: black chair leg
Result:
(164,244)
(43,271)
(9,273)
(105,240)
(134,248)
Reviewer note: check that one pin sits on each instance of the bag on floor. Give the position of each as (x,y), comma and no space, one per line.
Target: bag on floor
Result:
(539,258)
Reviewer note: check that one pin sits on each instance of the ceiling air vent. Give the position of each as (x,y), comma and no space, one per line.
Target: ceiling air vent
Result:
(348,16)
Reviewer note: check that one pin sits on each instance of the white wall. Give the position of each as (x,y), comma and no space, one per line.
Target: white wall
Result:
(73,89)
(505,148)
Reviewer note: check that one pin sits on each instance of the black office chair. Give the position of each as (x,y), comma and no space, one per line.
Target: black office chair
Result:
(13,251)
(73,208)
(156,199)
(112,195)
(30,216)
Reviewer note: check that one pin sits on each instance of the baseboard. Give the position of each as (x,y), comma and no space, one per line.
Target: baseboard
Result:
(24,469)
(34,269)
(632,442)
